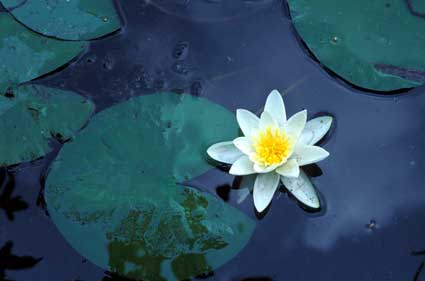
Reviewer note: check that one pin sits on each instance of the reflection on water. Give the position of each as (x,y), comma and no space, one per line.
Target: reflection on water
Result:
(210,10)
(10,261)
(9,203)
(114,277)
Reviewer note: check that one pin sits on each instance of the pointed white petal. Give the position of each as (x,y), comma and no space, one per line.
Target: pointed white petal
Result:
(225,152)
(264,188)
(261,169)
(302,188)
(315,130)
(267,120)
(244,144)
(247,121)
(296,124)
(309,154)
(276,108)
(290,169)
(242,166)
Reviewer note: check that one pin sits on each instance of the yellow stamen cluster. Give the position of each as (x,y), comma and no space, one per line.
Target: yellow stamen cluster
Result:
(272,146)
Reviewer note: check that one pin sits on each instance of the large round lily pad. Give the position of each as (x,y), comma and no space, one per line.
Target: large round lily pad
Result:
(114,190)
(26,55)
(66,19)
(32,115)
(377,45)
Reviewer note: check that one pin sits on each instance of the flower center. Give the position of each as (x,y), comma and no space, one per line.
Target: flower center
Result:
(272,146)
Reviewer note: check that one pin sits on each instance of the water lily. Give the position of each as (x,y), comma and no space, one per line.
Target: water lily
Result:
(274,148)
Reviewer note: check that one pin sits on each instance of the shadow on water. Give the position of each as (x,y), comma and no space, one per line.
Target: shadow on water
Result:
(419,272)
(9,261)
(109,276)
(8,203)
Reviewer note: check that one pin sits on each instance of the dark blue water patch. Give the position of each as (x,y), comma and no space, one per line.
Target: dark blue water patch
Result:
(211,10)
(373,184)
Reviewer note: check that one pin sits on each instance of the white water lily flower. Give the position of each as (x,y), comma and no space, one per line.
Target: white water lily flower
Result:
(275,148)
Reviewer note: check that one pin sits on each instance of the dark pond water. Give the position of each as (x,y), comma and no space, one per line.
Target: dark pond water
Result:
(372,226)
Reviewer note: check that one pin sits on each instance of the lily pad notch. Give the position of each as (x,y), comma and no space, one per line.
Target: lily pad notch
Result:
(32,115)
(114,192)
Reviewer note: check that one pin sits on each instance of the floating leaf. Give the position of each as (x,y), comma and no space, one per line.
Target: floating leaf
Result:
(25,55)
(113,191)
(66,19)
(376,45)
(32,115)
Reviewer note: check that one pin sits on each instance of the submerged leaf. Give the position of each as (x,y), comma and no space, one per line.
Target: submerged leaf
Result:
(26,55)
(32,115)
(113,191)
(65,19)
(375,45)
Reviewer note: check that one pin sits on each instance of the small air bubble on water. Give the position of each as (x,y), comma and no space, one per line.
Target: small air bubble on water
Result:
(180,69)
(372,225)
(181,50)
(335,40)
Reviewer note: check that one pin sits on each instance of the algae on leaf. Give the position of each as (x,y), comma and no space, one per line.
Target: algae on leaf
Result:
(26,55)
(66,19)
(114,190)
(34,114)
(377,45)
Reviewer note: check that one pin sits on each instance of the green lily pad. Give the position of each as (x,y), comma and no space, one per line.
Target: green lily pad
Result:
(114,190)
(26,55)
(377,45)
(34,114)
(66,19)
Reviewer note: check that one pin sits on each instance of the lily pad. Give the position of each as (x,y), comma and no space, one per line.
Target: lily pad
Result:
(377,45)
(32,115)
(66,19)
(114,190)
(26,55)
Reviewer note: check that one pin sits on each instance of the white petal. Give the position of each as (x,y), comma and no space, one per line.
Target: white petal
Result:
(242,166)
(247,121)
(302,188)
(315,129)
(290,169)
(225,152)
(264,188)
(275,107)
(267,120)
(296,124)
(309,154)
(244,144)
(261,169)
